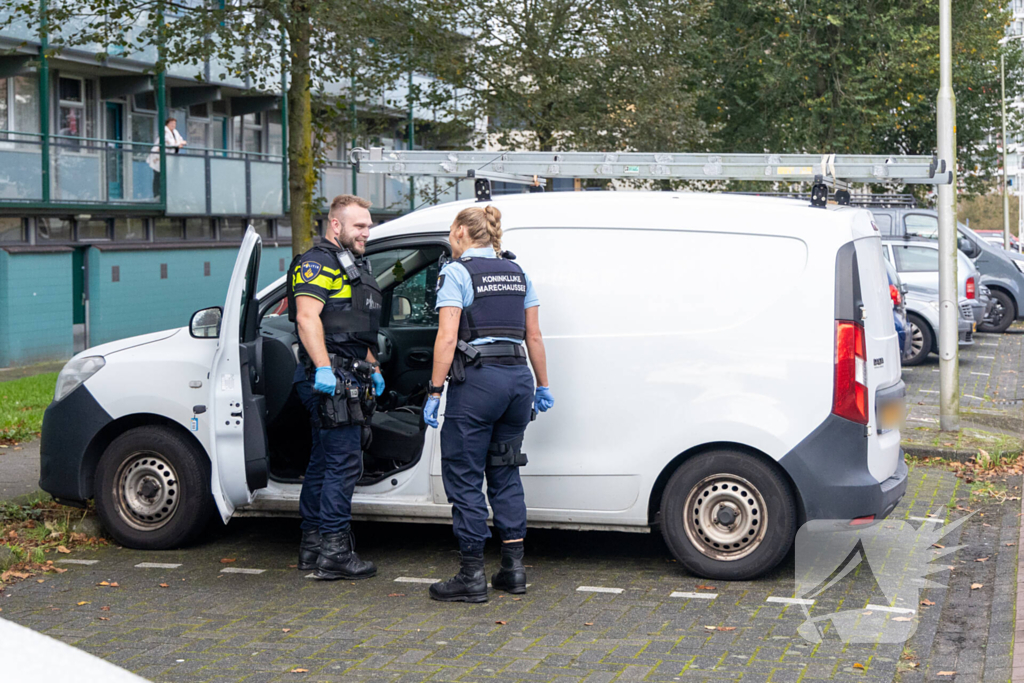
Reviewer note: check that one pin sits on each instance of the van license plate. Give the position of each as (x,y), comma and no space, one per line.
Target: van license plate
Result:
(892,415)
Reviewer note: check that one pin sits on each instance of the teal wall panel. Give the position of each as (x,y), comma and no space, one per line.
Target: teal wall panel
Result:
(142,301)
(35,307)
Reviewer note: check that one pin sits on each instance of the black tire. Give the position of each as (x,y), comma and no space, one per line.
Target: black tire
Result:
(921,340)
(1004,305)
(153,489)
(720,479)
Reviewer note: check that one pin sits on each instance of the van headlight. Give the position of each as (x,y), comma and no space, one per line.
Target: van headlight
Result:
(74,373)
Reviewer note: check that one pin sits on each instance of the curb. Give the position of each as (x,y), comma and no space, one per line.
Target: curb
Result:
(954,454)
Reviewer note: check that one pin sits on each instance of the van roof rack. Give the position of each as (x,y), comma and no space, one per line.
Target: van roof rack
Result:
(864,200)
(534,168)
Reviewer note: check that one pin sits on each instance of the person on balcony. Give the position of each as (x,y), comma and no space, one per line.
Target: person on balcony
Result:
(173,142)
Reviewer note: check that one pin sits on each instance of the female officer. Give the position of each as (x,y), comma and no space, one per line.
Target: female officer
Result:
(487,310)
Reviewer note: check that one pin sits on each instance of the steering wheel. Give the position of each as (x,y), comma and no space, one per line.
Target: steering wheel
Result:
(385,346)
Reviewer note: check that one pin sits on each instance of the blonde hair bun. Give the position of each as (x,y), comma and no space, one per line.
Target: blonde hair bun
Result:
(483,226)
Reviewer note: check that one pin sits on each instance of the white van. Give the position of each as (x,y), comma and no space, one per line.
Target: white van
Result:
(725,426)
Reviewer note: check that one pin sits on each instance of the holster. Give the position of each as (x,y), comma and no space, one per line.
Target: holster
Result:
(353,402)
(508,454)
(465,355)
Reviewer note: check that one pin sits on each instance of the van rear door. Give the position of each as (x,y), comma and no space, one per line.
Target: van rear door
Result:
(883,381)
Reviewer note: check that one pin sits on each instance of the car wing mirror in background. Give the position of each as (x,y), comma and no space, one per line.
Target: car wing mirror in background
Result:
(967,246)
(401,308)
(205,323)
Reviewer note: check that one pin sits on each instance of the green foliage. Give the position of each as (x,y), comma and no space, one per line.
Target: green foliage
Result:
(22,402)
(854,76)
(985,211)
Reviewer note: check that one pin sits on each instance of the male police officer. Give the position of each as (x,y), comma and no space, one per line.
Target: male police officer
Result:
(337,310)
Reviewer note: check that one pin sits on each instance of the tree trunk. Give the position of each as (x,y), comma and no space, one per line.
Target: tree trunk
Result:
(301,173)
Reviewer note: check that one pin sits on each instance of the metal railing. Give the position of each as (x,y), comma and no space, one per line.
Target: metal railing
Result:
(221,182)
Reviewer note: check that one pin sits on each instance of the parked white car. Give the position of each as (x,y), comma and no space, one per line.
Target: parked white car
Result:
(727,427)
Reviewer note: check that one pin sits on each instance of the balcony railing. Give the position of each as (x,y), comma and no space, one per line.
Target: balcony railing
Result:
(220,182)
(81,170)
(388,194)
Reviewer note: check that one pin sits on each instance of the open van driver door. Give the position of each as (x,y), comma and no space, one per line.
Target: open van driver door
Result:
(237,403)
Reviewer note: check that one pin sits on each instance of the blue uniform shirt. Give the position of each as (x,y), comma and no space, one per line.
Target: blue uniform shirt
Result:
(457,289)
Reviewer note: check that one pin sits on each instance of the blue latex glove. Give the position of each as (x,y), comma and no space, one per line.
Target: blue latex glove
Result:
(324,380)
(430,410)
(378,383)
(544,400)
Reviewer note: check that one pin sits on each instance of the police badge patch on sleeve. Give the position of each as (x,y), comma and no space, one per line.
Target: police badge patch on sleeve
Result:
(309,270)
(440,282)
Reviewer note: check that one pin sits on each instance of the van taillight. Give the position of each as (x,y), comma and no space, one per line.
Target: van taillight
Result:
(970,288)
(850,391)
(894,293)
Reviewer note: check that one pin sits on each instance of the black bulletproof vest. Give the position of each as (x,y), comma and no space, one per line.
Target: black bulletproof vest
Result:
(351,322)
(499,291)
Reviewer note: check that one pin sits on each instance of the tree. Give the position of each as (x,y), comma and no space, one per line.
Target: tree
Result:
(584,74)
(337,51)
(854,76)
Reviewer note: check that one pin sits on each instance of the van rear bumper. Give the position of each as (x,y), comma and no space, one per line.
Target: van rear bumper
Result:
(830,471)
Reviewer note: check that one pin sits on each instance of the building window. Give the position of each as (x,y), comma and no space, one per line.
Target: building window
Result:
(12,229)
(19,104)
(71,112)
(145,101)
(93,229)
(274,140)
(232,228)
(284,228)
(198,125)
(53,229)
(168,229)
(199,229)
(131,228)
(249,132)
(262,226)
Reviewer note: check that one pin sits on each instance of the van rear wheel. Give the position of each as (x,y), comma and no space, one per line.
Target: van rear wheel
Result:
(727,515)
(153,489)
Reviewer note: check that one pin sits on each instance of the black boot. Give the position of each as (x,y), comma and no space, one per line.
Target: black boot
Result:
(309,549)
(338,561)
(511,576)
(469,585)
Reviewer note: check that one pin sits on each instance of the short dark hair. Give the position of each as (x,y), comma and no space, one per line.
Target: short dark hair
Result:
(343,201)
(170,119)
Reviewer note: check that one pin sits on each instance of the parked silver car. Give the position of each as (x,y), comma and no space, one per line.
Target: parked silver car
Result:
(917,262)
(923,325)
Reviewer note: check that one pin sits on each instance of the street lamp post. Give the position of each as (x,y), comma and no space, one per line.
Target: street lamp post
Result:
(949,371)
(1006,196)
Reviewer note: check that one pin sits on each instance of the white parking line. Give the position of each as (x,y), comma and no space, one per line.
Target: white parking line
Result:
(77,561)
(986,357)
(156,565)
(935,369)
(928,391)
(980,398)
(984,374)
(241,570)
(693,596)
(410,579)
(987,344)
(895,610)
(928,519)
(790,601)
(599,589)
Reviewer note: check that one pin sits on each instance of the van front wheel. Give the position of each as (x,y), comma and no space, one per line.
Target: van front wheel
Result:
(153,489)
(727,515)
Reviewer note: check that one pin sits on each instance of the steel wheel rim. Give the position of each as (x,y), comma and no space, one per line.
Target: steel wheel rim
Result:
(997,313)
(916,340)
(147,491)
(725,517)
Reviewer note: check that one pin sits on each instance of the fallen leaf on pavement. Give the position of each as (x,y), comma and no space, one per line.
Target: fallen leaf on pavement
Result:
(163,585)
(711,628)
(858,665)
(285,630)
(902,619)
(114,585)
(946,673)
(103,583)
(982,559)
(517,599)
(39,581)
(1008,545)
(976,586)
(84,602)
(104,618)
(702,587)
(726,628)
(229,560)
(402,595)
(63,550)
(927,603)
(299,671)
(105,608)
(938,545)
(588,623)
(913,665)
(502,623)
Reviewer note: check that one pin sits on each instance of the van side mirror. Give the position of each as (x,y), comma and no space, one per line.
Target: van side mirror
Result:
(205,323)
(967,246)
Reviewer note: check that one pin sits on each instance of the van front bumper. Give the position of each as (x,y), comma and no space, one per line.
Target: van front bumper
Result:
(66,461)
(830,471)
